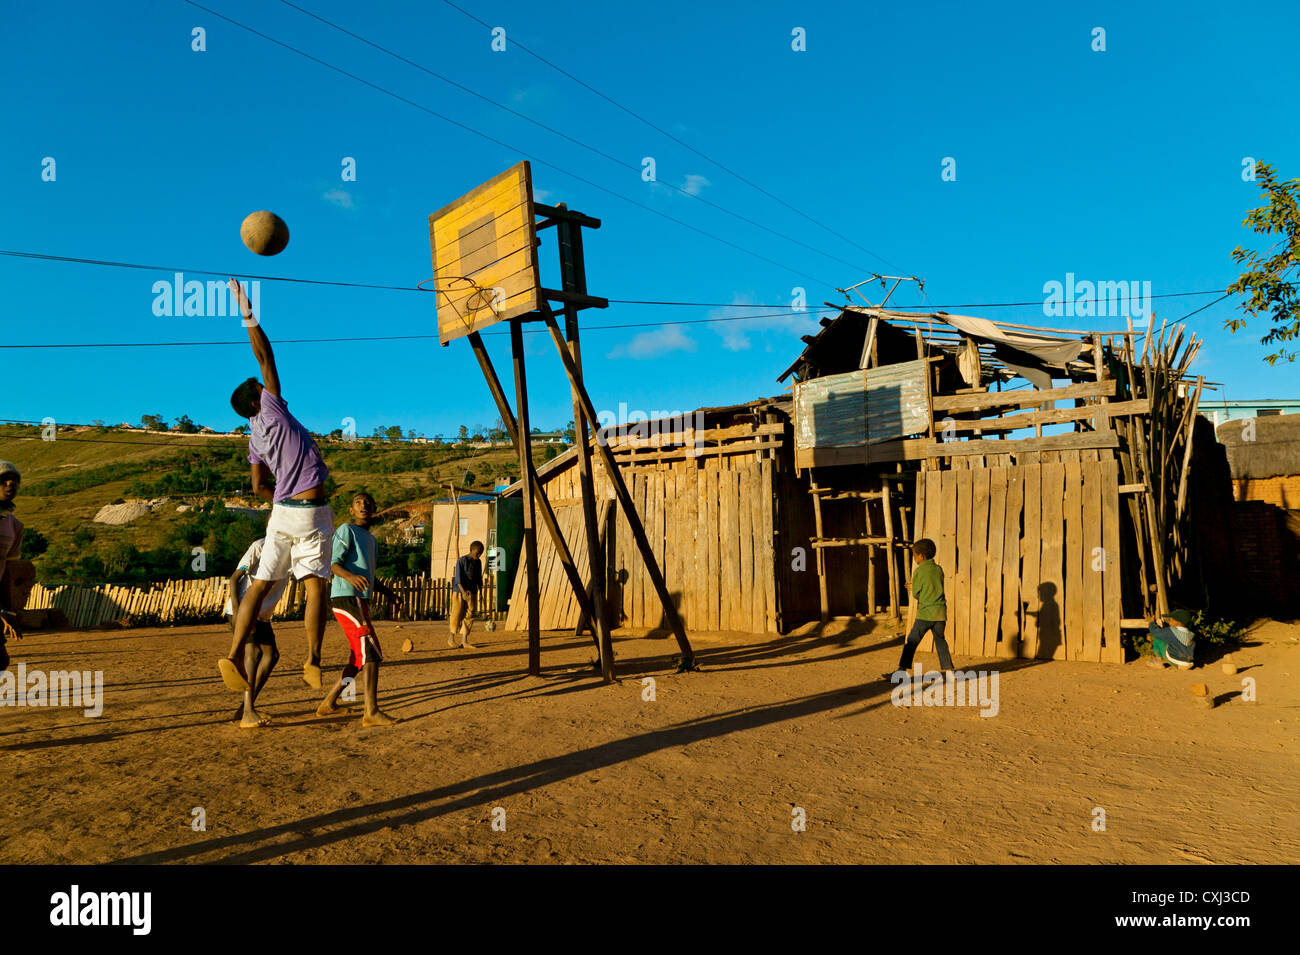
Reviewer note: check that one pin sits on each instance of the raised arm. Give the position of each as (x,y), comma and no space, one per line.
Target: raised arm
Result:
(257,338)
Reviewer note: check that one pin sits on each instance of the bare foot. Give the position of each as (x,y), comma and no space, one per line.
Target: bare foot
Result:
(328,709)
(311,675)
(466,645)
(378,718)
(239,715)
(451,641)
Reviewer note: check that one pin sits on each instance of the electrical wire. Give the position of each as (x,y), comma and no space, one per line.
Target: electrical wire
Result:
(680,142)
(508,146)
(573,139)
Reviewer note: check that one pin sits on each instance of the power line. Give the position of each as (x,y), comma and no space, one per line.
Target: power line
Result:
(385,338)
(680,142)
(613,301)
(577,142)
(505,145)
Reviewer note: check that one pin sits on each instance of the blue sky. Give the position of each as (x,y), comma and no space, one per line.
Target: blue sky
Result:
(1116,165)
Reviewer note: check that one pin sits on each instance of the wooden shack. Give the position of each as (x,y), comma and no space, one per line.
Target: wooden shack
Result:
(714,488)
(1050,467)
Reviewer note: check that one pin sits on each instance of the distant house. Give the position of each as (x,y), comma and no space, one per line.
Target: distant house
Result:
(1221,411)
(1264,459)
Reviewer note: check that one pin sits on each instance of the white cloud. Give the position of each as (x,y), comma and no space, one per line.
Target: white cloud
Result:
(736,323)
(695,184)
(653,344)
(340,197)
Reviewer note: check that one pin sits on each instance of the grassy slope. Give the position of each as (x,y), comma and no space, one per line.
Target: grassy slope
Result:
(122,458)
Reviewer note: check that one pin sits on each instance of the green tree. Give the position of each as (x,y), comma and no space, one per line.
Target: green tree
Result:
(154,422)
(1268,279)
(393,433)
(34,543)
(185,426)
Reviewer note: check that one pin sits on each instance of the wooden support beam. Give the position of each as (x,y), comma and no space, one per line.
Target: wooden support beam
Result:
(822,593)
(1029,419)
(575,281)
(624,498)
(524,445)
(576,299)
(848,541)
(1056,442)
(1021,399)
(562,213)
(539,493)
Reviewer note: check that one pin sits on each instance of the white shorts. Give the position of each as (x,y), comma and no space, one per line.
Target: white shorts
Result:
(298,540)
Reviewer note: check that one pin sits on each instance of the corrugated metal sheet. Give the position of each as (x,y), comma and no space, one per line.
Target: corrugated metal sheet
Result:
(859,408)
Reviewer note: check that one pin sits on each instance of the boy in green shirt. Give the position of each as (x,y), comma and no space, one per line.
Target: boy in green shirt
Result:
(931,607)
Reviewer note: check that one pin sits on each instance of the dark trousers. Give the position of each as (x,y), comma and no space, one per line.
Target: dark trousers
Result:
(914,638)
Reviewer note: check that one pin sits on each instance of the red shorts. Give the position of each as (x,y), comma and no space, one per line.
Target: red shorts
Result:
(353,615)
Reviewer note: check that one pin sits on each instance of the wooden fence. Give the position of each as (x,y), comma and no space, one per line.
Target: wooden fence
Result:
(187,601)
(1030,558)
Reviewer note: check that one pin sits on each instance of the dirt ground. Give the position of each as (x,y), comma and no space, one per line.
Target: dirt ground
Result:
(712,769)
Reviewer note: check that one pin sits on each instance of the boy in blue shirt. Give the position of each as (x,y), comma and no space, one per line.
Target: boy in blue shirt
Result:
(353,566)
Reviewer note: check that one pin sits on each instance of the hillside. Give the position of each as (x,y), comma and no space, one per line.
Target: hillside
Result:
(66,481)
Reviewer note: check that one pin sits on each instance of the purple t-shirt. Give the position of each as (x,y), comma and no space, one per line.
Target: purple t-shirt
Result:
(278,440)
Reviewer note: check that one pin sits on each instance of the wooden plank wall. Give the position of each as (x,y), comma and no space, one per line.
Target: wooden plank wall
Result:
(1030,557)
(710,522)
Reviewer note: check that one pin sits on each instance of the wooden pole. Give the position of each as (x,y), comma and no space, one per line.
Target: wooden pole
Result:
(523,443)
(624,498)
(886,502)
(822,593)
(539,492)
(569,238)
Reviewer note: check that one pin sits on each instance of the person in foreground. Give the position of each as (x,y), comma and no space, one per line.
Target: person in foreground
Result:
(931,607)
(466,584)
(260,653)
(288,470)
(354,554)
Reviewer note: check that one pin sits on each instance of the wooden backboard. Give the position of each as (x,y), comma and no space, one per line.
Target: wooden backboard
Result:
(485,255)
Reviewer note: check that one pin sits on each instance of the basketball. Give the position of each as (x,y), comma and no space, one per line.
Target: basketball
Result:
(264,233)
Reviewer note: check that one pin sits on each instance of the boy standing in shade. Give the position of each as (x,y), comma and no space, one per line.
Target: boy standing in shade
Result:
(931,606)
(466,584)
(301,524)
(354,552)
(11,539)
(260,652)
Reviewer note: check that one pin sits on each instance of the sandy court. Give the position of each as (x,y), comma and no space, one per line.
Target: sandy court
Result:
(711,770)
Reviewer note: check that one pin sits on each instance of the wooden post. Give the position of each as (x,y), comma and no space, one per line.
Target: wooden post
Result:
(624,498)
(886,501)
(539,493)
(821,557)
(572,274)
(524,445)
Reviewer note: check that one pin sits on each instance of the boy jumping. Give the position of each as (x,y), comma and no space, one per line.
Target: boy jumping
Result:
(354,580)
(300,526)
(931,607)
(260,653)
